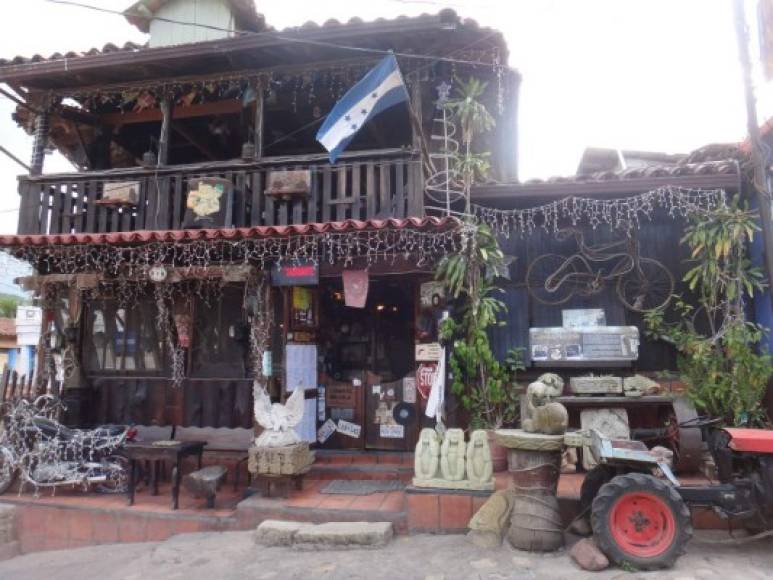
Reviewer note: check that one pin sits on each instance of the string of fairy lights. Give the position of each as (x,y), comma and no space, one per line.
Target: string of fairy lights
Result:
(423,247)
(624,214)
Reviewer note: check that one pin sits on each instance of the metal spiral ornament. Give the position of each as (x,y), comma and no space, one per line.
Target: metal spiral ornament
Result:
(443,185)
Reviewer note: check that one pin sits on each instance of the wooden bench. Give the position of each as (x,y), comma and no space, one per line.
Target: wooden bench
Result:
(205,482)
(223,444)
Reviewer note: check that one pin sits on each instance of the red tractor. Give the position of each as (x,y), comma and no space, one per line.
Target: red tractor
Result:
(644,521)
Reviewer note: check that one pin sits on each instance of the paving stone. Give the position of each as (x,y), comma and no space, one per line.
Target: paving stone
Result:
(277,532)
(344,535)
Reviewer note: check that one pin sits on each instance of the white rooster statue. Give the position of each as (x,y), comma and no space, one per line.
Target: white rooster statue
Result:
(278,420)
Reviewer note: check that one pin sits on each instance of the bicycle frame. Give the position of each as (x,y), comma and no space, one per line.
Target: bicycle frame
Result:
(577,267)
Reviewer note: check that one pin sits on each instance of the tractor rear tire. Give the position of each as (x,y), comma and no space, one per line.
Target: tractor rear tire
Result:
(641,521)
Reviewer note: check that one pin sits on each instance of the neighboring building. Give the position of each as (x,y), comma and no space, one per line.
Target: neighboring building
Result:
(7,343)
(29,321)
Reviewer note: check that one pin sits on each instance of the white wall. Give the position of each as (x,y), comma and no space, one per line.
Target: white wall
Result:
(210,12)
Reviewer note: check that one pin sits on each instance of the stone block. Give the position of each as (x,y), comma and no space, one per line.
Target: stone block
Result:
(587,556)
(344,535)
(612,423)
(7,523)
(489,524)
(605,385)
(277,532)
(287,460)
(9,550)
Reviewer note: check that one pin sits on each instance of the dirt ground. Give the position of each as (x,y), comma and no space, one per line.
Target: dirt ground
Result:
(234,556)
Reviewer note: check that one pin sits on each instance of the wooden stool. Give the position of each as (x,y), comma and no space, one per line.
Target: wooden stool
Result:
(206,482)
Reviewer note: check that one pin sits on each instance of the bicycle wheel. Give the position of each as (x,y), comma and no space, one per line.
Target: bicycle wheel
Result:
(648,287)
(541,271)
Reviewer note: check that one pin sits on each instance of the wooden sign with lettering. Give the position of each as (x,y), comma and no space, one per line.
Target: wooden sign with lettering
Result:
(340,395)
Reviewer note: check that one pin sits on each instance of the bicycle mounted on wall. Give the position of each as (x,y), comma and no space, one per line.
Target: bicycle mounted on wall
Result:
(642,284)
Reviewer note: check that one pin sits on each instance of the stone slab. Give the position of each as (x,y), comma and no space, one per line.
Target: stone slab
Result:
(465,484)
(520,439)
(277,532)
(343,535)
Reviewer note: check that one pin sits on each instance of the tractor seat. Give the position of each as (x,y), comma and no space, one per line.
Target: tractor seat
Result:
(751,440)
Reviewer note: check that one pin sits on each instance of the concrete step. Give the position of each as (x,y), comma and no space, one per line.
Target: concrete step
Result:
(326,536)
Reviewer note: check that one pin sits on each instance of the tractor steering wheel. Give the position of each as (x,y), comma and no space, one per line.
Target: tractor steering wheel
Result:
(700,421)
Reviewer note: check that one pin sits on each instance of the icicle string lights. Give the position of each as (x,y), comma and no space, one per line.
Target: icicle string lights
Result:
(620,214)
(342,248)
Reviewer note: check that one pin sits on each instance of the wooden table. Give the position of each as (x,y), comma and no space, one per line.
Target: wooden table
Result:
(156,453)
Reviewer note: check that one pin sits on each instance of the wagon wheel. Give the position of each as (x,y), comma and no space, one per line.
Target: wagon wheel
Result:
(538,278)
(647,287)
(641,521)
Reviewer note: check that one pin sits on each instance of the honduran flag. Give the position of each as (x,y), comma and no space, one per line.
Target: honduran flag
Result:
(382,88)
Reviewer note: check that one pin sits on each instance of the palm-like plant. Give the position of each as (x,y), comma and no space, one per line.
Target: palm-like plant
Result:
(473,118)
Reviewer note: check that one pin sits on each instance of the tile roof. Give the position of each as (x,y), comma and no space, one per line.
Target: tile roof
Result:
(148,236)
(446,16)
(108,48)
(724,166)
(7,327)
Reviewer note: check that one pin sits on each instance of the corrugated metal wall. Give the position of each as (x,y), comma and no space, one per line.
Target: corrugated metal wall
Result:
(659,239)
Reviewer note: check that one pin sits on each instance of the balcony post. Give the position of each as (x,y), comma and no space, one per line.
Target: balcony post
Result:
(259,117)
(166,130)
(40,142)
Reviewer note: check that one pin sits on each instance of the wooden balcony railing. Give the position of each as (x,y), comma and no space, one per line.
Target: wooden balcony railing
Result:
(362,185)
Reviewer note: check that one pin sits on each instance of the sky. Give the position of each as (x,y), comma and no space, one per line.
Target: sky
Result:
(658,75)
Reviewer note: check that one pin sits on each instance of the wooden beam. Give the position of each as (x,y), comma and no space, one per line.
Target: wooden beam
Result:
(152,115)
(188,136)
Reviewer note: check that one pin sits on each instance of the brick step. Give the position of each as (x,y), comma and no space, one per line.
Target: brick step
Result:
(357,457)
(328,471)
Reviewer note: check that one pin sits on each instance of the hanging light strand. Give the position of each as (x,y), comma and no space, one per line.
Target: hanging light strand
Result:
(623,214)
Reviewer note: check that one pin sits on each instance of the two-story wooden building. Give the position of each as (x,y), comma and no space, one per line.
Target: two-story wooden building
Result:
(157,316)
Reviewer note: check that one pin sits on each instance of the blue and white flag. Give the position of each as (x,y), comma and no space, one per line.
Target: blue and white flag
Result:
(382,88)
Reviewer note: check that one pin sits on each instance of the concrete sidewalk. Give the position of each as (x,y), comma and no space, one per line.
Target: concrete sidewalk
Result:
(234,556)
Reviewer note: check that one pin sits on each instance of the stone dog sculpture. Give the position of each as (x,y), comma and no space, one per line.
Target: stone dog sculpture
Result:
(543,415)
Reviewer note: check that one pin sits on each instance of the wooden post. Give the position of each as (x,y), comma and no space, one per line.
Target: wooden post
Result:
(166,130)
(259,117)
(39,143)
(759,182)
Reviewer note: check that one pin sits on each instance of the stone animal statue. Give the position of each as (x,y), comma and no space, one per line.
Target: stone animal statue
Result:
(278,420)
(480,468)
(543,415)
(426,460)
(453,455)
(492,520)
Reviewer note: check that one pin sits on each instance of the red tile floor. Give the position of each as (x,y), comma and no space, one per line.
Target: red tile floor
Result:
(72,518)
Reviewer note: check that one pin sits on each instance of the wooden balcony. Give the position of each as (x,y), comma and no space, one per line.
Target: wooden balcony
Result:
(362,185)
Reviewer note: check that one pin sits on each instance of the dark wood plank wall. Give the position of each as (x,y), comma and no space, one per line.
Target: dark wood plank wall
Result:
(659,239)
(367,185)
(151,401)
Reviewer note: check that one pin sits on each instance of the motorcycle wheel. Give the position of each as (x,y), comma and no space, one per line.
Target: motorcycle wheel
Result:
(117,471)
(8,471)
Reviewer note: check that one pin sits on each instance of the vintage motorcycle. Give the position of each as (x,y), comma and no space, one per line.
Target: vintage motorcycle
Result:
(44,453)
